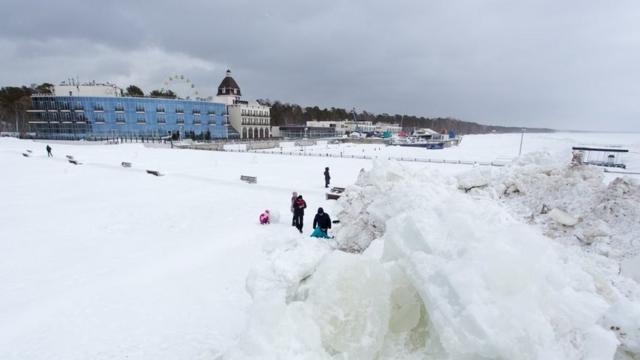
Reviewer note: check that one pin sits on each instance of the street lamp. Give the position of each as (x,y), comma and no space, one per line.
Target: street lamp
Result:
(521,138)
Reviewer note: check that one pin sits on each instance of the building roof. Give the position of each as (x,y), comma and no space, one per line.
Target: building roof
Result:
(228,86)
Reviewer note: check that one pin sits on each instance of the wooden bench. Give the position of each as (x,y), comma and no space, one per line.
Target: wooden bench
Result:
(154,172)
(335,193)
(126,164)
(249,179)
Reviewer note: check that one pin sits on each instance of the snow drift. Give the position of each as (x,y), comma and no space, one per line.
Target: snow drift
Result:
(430,272)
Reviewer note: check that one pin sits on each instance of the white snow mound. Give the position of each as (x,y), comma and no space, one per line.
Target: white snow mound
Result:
(459,277)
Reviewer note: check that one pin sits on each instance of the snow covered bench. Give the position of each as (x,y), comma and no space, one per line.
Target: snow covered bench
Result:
(335,193)
(249,179)
(125,164)
(154,172)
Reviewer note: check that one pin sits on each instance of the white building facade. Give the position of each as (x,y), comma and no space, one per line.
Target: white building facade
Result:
(348,126)
(250,119)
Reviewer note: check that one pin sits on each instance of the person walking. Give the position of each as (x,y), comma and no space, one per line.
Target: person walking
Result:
(49,154)
(327,177)
(294,197)
(321,224)
(298,212)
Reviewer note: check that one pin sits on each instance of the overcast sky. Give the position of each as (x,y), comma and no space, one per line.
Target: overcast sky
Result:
(564,64)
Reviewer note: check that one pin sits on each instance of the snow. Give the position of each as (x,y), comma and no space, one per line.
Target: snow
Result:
(438,261)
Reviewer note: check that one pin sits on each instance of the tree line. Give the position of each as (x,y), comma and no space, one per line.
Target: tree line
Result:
(286,114)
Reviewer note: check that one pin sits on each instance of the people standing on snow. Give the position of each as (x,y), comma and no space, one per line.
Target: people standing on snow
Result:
(321,224)
(298,212)
(327,177)
(294,197)
(49,154)
(264,217)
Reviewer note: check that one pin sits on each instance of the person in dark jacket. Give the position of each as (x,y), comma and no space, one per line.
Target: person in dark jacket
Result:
(298,212)
(322,220)
(294,197)
(327,177)
(49,154)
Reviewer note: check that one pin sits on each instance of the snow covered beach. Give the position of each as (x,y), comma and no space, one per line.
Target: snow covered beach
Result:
(98,261)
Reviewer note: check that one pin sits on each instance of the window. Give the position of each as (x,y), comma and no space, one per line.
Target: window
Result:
(139,108)
(180,121)
(196,111)
(160,109)
(179,110)
(141,120)
(120,119)
(98,107)
(100,119)
(162,120)
(119,108)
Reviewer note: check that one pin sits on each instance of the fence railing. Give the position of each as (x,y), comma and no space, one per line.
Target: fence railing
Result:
(372,157)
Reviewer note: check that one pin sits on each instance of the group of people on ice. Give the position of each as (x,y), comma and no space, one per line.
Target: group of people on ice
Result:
(321,221)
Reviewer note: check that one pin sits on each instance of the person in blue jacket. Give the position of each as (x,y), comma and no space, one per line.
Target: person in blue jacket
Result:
(321,224)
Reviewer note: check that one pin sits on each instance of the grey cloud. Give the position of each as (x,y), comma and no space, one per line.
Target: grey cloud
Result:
(569,64)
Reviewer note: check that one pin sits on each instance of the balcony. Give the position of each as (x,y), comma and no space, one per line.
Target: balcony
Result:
(98,109)
(197,122)
(120,121)
(119,109)
(140,110)
(179,111)
(160,110)
(162,121)
(141,121)
(196,112)
(180,121)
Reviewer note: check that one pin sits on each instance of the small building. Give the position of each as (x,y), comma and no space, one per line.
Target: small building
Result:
(607,156)
(301,131)
(343,127)
(93,89)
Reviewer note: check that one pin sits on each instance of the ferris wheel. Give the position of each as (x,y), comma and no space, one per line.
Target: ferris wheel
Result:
(182,86)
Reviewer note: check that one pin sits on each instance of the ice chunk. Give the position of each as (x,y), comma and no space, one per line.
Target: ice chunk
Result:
(562,217)
(631,267)
(349,295)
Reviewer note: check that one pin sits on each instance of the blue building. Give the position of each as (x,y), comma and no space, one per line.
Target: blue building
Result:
(93,111)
